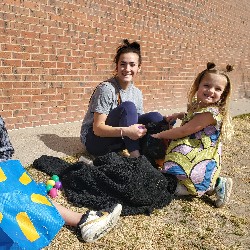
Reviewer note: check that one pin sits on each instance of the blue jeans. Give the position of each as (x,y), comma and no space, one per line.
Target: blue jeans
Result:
(122,116)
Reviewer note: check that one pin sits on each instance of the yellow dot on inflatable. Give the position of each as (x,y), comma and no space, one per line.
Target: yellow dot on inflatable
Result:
(25,179)
(37,198)
(2,176)
(1,217)
(27,226)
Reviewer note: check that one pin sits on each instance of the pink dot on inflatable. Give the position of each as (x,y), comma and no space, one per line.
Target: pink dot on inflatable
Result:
(53,192)
(58,185)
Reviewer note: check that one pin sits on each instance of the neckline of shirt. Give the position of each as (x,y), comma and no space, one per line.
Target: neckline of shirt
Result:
(120,88)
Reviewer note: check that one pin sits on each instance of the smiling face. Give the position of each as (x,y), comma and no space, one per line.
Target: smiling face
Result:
(211,88)
(127,68)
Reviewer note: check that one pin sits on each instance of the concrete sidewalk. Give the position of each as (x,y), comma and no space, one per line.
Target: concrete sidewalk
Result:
(64,139)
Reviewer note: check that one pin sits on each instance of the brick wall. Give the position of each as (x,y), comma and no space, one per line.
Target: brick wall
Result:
(54,52)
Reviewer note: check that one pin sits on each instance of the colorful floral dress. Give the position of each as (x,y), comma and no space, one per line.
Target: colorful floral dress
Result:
(196,159)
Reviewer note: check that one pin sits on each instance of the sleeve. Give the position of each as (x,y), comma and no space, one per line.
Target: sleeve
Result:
(214,111)
(6,148)
(102,99)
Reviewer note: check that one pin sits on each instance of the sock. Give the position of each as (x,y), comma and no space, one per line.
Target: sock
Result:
(217,182)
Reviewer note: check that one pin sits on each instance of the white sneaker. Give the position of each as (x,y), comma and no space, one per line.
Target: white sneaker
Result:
(86,160)
(95,224)
(223,191)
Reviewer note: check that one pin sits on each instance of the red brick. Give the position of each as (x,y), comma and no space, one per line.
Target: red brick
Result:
(56,52)
(13,63)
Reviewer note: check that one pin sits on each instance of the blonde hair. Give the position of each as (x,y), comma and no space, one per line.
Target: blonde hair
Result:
(223,104)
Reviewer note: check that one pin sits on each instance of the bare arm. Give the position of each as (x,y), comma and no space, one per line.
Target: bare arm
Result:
(172,118)
(199,122)
(101,129)
(175,116)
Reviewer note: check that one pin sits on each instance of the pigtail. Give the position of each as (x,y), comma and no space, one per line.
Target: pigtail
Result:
(210,65)
(229,68)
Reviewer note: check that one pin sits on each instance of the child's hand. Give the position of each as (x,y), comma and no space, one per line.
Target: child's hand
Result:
(155,136)
(171,119)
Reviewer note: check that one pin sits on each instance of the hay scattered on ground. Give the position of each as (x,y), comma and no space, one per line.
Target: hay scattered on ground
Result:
(190,223)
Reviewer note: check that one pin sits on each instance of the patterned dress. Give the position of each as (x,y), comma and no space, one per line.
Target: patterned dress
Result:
(196,159)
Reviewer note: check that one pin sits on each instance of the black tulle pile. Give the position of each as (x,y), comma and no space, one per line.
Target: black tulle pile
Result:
(133,182)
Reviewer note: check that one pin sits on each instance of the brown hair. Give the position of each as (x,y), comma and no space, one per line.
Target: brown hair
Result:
(128,47)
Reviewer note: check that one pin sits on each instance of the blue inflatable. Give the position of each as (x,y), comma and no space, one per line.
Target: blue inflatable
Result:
(28,219)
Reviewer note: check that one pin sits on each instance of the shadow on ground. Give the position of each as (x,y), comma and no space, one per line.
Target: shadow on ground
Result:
(66,145)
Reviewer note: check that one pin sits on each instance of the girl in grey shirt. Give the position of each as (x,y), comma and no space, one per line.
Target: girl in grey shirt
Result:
(115,119)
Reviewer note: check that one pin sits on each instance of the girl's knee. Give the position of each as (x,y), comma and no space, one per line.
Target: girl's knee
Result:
(128,105)
(130,109)
(155,116)
(150,117)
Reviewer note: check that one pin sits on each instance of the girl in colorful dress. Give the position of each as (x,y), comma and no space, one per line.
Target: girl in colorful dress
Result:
(194,152)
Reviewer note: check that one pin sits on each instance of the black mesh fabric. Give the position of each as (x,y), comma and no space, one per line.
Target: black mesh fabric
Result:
(151,147)
(132,182)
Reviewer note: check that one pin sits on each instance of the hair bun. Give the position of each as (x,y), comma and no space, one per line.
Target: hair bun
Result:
(210,65)
(229,68)
(133,45)
(126,42)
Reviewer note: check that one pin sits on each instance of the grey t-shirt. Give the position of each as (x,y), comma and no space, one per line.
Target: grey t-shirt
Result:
(105,99)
